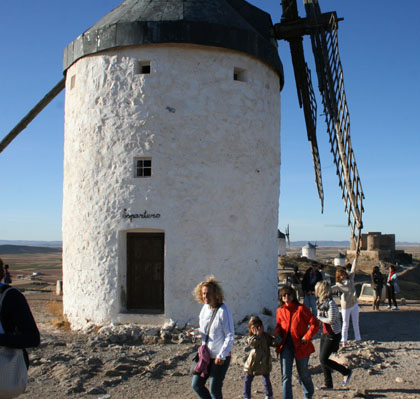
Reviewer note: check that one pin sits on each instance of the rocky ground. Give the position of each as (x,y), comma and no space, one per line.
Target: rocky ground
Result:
(130,362)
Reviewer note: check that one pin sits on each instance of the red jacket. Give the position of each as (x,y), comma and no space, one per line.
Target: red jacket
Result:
(301,323)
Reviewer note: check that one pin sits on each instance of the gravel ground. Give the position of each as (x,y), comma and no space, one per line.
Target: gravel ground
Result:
(74,365)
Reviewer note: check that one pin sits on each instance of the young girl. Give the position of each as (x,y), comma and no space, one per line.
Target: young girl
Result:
(259,360)
(331,335)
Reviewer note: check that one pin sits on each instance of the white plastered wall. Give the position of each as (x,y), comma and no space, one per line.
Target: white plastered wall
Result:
(215,149)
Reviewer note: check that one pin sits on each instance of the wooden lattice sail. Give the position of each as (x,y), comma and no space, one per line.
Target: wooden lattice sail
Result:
(322,29)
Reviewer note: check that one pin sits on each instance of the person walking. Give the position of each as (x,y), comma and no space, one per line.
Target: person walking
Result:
(296,325)
(220,338)
(310,278)
(348,301)
(377,282)
(259,359)
(18,329)
(329,315)
(392,287)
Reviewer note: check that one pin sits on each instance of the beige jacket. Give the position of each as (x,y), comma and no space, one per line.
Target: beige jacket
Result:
(259,360)
(348,297)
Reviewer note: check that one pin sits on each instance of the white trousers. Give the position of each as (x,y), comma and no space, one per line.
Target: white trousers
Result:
(352,312)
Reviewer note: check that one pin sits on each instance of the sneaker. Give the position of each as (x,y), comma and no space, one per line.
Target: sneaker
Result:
(395,308)
(269,397)
(388,307)
(346,378)
(324,388)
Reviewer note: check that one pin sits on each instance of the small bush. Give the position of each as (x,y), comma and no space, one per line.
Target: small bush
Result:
(56,308)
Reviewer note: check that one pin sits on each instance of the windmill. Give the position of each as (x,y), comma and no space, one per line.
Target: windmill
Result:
(322,30)
(287,234)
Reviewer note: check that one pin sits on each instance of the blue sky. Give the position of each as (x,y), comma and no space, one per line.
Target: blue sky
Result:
(380,53)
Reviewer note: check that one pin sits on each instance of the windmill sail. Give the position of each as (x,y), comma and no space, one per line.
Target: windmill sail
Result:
(322,29)
(304,88)
(30,116)
(331,86)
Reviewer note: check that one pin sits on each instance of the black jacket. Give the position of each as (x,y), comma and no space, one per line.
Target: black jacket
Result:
(377,280)
(20,329)
(307,286)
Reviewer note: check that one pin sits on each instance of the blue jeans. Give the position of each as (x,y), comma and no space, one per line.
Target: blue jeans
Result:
(310,301)
(287,355)
(248,384)
(216,376)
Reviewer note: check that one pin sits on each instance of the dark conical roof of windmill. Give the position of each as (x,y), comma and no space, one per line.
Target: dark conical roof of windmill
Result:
(231,24)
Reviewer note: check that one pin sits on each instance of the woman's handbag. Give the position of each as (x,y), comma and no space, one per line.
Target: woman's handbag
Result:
(13,371)
(199,360)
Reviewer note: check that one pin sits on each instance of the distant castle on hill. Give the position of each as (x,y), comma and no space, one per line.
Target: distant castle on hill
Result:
(378,246)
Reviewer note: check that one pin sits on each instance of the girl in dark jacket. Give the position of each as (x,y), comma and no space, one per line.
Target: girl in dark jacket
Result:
(377,285)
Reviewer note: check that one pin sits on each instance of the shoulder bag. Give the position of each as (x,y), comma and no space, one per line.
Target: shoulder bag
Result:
(200,359)
(13,371)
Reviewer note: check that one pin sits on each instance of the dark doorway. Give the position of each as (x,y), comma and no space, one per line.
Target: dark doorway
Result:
(145,283)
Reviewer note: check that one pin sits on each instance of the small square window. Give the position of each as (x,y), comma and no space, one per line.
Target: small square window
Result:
(239,74)
(73,82)
(143,167)
(143,67)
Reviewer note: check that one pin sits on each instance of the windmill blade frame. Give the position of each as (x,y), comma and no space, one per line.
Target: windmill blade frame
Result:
(337,117)
(30,116)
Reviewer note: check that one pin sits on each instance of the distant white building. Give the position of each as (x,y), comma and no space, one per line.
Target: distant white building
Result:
(171,162)
(340,260)
(309,251)
(281,243)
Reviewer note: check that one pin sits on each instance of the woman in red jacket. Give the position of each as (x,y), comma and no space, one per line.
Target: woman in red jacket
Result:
(297,326)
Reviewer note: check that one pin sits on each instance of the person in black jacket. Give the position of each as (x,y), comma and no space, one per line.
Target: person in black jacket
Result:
(17,325)
(377,285)
(310,278)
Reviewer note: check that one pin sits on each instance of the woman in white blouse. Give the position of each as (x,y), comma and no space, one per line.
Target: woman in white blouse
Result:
(220,338)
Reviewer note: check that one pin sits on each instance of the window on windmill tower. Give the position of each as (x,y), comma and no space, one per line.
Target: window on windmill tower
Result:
(239,74)
(143,68)
(72,82)
(143,167)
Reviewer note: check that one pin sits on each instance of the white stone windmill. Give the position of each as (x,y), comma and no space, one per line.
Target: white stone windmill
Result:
(171,160)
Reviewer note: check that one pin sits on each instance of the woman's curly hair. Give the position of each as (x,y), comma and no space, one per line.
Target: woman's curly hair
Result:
(215,287)
(341,275)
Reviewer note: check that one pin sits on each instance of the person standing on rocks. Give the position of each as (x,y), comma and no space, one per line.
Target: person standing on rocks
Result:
(296,325)
(220,338)
(377,281)
(329,315)
(392,287)
(348,301)
(310,278)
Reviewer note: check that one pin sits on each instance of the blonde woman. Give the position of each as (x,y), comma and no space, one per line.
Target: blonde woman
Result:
(219,340)
(331,334)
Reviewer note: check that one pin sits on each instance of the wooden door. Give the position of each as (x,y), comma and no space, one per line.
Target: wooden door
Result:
(145,272)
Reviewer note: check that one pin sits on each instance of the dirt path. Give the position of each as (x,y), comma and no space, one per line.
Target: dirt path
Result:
(70,365)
